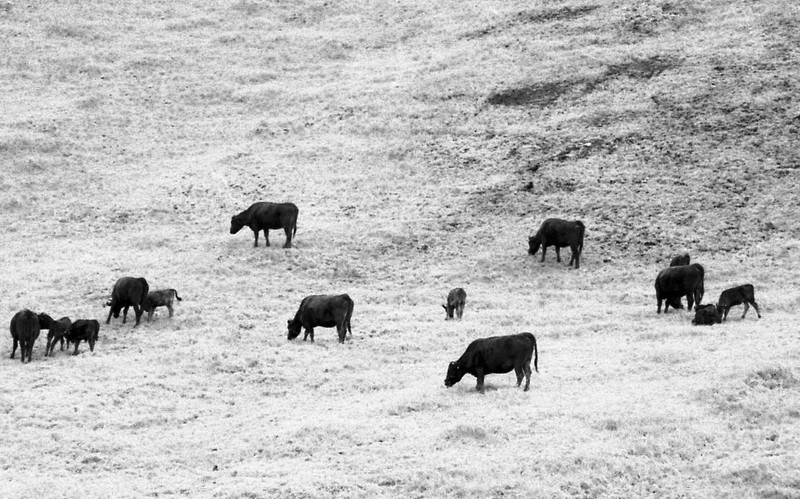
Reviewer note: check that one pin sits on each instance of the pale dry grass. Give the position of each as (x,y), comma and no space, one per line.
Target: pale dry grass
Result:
(133,131)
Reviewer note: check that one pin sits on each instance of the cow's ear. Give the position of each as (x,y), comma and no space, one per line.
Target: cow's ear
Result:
(444,307)
(289,323)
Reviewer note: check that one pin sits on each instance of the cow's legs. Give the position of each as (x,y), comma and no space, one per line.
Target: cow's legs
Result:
(266,236)
(576,255)
(255,243)
(288,231)
(479,374)
(690,300)
(76,347)
(309,332)
(14,349)
(169,307)
(519,372)
(544,249)
(527,368)
(125,313)
(755,306)
(23,349)
(460,311)
(746,308)
(150,314)
(138,311)
(725,313)
(342,332)
(108,319)
(558,254)
(47,346)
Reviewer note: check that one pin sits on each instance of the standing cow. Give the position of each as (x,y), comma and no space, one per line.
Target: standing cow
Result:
(83,330)
(267,216)
(128,292)
(323,311)
(744,294)
(160,298)
(496,354)
(456,299)
(559,233)
(24,331)
(56,334)
(673,283)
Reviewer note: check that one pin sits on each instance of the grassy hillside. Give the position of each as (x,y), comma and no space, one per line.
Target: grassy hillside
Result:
(423,143)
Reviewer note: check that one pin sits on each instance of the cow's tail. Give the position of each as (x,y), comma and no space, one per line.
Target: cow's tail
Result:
(145,291)
(535,354)
(349,315)
(176,295)
(581,232)
(702,279)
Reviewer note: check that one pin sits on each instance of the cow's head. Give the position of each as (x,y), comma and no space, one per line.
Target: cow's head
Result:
(236,224)
(533,245)
(294,329)
(449,311)
(454,374)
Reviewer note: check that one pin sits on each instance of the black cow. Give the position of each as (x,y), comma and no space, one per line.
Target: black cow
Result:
(128,292)
(674,282)
(744,294)
(160,298)
(57,333)
(322,311)
(496,354)
(706,315)
(559,233)
(24,331)
(268,216)
(680,260)
(83,329)
(456,299)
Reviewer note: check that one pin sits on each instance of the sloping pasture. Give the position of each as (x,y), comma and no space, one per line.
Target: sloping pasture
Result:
(423,142)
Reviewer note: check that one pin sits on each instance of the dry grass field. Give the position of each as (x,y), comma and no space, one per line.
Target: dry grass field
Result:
(423,143)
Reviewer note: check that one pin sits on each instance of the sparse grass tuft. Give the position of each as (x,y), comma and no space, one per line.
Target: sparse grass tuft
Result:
(772,378)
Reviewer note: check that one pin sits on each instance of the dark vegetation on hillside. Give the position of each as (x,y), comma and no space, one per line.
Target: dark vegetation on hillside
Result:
(697,148)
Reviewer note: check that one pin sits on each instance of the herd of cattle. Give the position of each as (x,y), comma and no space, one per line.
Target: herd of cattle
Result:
(492,355)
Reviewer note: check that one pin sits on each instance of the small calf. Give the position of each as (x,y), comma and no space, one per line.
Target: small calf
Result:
(57,333)
(83,329)
(744,294)
(706,315)
(456,300)
(160,298)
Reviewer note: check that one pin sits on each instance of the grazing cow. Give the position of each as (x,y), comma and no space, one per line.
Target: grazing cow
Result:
(83,329)
(160,298)
(706,315)
(674,282)
(496,354)
(559,233)
(322,311)
(456,299)
(24,331)
(57,333)
(680,260)
(128,292)
(744,294)
(268,216)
